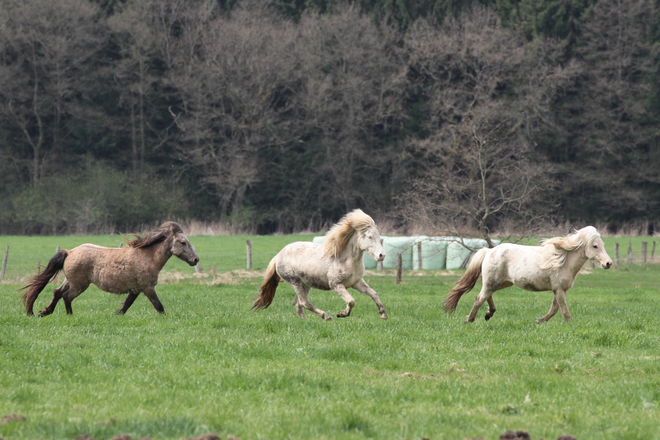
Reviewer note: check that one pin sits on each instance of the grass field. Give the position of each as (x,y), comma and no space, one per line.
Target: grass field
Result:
(212,365)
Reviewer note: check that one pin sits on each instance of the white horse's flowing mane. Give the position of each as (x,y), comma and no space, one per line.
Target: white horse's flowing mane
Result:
(340,234)
(555,249)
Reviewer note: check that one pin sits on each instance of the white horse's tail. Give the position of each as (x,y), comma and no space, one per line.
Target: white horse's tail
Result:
(466,282)
(268,287)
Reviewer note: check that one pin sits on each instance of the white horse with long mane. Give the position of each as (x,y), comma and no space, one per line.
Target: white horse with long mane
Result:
(336,265)
(552,266)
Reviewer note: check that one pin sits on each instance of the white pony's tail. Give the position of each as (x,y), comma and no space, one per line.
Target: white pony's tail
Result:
(268,288)
(466,282)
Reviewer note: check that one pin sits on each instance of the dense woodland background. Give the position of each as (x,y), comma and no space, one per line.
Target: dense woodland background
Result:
(282,115)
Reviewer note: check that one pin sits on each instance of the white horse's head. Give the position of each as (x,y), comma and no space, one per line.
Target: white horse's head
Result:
(369,242)
(595,248)
(354,224)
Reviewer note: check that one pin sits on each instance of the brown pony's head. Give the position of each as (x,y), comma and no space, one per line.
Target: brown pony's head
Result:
(181,247)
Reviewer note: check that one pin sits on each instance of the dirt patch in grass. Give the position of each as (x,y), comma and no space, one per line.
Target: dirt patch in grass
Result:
(12,418)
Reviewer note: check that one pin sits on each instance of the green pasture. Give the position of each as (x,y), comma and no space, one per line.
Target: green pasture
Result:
(213,365)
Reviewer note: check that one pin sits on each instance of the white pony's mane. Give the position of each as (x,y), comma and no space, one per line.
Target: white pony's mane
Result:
(340,234)
(555,249)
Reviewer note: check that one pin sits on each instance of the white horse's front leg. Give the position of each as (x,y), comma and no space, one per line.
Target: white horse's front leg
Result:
(553,309)
(362,287)
(560,295)
(350,301)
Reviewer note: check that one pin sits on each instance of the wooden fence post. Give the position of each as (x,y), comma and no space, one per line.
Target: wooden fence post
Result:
(644,247)
(616,253)
(629,250)
(399,268)
(4,262)
(248,245)
(419,256)
(653,251)
(379,264)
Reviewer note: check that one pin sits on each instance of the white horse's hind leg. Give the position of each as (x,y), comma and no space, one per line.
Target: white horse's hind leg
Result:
(350,301)
(491,308)
(302,293)
(362,287)
(483,296)
(553,309)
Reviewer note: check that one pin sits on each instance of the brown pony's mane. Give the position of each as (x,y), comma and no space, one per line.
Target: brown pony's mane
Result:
(340,234)
(166,230)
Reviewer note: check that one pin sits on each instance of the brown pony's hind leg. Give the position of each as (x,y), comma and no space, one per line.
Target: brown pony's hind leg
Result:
(57,295)
(70,294)
(130,298)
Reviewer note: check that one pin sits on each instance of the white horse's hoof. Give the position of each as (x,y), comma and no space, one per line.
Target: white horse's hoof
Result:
(383,316)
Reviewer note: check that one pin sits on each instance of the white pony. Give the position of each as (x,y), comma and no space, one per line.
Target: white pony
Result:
(552,266)
(336,264)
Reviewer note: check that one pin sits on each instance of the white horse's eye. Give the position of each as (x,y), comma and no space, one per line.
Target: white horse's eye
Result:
(595,246)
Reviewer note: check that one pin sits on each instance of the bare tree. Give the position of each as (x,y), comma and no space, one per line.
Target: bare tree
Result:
(486,96)
(46,47)
(235,88)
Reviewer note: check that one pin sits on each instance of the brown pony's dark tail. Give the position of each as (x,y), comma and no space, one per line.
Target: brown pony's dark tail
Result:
(268,288)
(467,281)
(39,281)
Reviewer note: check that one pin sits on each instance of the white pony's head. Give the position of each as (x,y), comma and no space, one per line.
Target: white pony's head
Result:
(595,249)
(355,222)
(588,238)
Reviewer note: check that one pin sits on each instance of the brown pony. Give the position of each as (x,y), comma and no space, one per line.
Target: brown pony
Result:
(132,269)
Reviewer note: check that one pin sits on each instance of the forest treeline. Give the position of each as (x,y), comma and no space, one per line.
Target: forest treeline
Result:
(282,115)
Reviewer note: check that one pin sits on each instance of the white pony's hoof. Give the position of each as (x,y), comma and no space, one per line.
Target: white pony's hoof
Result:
(383,315)
(327,317)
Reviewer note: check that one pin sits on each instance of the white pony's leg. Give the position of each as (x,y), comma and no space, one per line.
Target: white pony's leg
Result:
(483,296)
(560,295)
(302,293)
(340,290)
(553,309)
(362,287)
(491,308)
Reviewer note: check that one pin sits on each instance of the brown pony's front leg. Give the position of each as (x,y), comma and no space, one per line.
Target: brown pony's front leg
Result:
(151,294)
(130,298)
